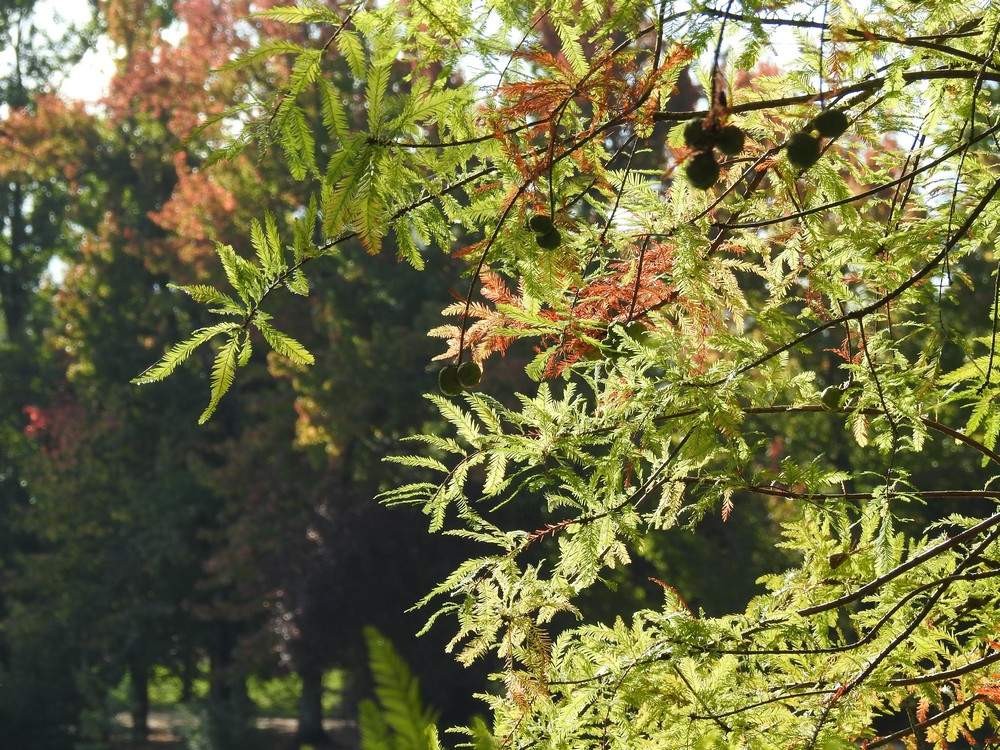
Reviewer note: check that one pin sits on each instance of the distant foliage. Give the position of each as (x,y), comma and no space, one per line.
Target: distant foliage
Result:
(397,719)
(689,291)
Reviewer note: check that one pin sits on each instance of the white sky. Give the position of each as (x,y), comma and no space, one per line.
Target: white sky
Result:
(88,80)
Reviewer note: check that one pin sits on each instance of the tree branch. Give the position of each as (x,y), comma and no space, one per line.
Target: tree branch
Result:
(877,583)
(929,722)
(909,76)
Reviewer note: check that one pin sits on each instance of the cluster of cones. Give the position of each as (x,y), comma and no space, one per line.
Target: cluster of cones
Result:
(803,147)
(707,136)
(453,379)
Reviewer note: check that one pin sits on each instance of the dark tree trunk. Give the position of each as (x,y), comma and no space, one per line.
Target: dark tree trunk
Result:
(12,283)
(139,674)
(188,672)
(220,655)
(228,701)
(310,727)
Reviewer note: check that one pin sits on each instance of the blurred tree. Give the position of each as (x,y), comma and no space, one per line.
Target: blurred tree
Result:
(175,544)
(36,702)
(115,511)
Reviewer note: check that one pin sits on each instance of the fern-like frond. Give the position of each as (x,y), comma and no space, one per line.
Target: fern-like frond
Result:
(350,46)
(398,694)
(223,374)
(311,12)
(208,295)
(264,51)
(282,343)
(180,352)
(243,276)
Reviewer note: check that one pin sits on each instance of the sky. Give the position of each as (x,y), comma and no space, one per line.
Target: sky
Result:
(88,80)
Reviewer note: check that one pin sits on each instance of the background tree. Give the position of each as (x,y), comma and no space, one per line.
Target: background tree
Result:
(138,541)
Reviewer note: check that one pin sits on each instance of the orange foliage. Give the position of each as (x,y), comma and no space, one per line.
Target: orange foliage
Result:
(197,207)
(45,141)
(166,81)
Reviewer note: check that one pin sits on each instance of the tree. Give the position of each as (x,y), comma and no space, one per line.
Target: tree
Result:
(680,315)
(301,535)
(142,541)
(38,703)
(102,579)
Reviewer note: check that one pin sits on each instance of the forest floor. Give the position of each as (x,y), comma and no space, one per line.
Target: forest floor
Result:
(167,730)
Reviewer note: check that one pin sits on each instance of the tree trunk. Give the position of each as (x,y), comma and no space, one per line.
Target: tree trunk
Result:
(139,677)
(228,701)
(189,669)
(220,650)
(13,276)
(310,727)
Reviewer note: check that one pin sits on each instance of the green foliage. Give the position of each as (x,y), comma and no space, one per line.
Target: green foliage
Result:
(398,720)
(252,284)
(279,695)
(682,338)
(313,12)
